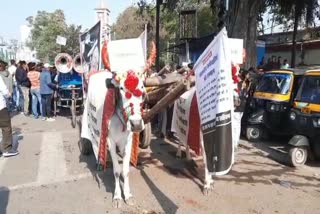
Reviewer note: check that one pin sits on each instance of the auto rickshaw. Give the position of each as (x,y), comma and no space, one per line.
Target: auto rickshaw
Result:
(271,103)
(305,120)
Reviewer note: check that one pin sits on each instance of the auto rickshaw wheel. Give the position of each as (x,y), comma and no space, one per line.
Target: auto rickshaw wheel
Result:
(316,149)
(85,147)
(298,156)
(145,136)
(254,133)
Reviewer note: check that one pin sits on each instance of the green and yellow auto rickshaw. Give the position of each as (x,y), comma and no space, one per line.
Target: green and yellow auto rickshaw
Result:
(305,120)
(271,104)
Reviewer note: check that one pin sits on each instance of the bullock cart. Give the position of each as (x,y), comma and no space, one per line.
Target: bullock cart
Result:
(162,91)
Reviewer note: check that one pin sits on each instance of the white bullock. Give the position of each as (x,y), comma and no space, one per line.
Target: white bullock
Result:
(125,120)
(131,99)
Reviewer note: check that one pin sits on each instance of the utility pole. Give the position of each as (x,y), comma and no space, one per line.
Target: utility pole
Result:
(159,2)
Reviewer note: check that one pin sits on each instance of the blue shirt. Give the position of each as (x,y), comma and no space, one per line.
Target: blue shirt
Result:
(45,82)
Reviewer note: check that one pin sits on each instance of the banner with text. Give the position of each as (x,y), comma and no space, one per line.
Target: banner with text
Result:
(93,110)
(127,54)
(215,102)
(181,112)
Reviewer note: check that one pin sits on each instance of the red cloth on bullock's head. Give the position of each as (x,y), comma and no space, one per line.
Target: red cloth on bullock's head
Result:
(132,81)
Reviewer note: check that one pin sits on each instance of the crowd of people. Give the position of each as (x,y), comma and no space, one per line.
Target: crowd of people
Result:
(273,63)
(31,87)
(27,89)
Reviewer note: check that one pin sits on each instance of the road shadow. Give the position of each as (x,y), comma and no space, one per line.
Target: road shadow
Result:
(251,171)
(105,178)
(265,175)
(4,199)
(14,114)
(102,177)
(66,113)
(278,151)
(164,152)
(167,205)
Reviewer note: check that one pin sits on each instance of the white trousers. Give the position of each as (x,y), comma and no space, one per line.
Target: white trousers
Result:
(236,128)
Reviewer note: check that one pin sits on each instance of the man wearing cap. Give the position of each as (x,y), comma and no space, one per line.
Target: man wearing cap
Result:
(46,91)
(5,124)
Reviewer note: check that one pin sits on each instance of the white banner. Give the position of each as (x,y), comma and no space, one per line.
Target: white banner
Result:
(181,113)
(61,40)
(236,48)
(93,111)
(214,88)
(126,54)
(144,39)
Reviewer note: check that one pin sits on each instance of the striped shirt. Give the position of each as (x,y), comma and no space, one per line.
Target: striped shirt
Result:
(34,77)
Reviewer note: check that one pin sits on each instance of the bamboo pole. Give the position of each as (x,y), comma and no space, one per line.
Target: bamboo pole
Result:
(183,70)
(163,80)
(167,100)
(164,70)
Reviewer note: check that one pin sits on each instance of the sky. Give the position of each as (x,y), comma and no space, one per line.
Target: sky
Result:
(80,12)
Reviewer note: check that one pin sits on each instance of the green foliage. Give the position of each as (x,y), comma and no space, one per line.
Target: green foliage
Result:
(46,27)
(131,23)
(285,11)
(72,34)
(207,21)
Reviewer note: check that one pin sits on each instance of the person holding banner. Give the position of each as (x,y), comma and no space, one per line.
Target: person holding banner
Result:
(240,98)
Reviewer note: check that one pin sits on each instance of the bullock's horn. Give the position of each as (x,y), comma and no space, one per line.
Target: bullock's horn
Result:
(63,62)
(77,64)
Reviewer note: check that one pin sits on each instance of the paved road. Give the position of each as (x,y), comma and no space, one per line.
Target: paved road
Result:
(50,176)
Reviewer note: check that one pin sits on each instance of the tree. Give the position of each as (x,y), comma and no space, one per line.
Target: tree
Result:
(131,23)
(242,20)
(242,23)
(297,11)
(169,19)
(72,34)
(45,29)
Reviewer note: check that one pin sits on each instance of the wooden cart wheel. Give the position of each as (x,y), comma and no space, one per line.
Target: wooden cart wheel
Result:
(55,104)
(85,147)
(145,136)
(73,114)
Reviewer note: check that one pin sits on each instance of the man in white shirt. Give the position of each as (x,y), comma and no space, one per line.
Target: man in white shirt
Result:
(5,123)
(12,70)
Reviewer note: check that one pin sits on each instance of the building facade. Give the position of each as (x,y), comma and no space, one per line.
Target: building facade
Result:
(307,49)
(7,49)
